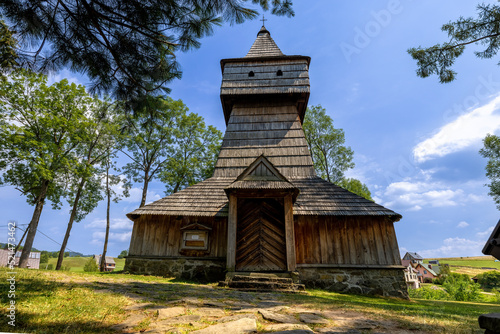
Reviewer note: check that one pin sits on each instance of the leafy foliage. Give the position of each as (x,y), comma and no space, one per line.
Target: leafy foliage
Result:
(355,186)
(194,154)
(489,279)
(123,254)
(461,288)
(41,128)
(125,47)
(438,59)
(331,158)
(491,151)
(90,266)
(44,257)
(429,292)
(164,141)
(8,43)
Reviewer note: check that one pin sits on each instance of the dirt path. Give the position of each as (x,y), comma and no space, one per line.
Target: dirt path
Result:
(204,309)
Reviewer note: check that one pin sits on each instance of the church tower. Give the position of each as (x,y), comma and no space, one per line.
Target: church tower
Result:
(265,210)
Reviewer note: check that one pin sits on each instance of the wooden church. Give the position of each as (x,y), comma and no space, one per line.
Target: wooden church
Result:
(265,210)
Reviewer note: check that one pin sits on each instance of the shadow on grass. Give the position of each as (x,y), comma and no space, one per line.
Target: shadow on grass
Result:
(435,316)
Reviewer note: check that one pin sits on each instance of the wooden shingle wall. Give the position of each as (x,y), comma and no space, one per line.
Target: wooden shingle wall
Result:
(236,79)
(274,131)
(162,235)
(346,241)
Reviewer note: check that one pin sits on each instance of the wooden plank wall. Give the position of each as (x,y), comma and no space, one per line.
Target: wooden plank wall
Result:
(345,240)
(162,235)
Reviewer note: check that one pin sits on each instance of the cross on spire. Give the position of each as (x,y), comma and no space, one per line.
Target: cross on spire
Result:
(263,19)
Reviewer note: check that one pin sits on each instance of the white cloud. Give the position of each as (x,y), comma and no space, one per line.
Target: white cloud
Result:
(98,236)
(455,247)
(462,224)
(485,234)
(465,131)
(416,195)
(115,224)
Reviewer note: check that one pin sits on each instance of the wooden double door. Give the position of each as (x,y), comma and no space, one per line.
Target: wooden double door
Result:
(260,235)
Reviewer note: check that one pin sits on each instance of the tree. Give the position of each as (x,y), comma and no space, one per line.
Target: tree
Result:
(489,279)
(123,47)
(90,265)
(326,144)
(40,128)
(491,151)
(44,257)
(85,189)
(148,140)
(194,153)
(8,44)
(438,59)
(123,254)
(355,186)
(461,288)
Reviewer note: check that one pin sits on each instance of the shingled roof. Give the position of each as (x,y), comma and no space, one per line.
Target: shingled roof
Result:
(264,45)
(316,197)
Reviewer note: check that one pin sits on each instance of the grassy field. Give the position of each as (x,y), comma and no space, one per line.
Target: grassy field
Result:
(76,263)
(471,266)
(70,302)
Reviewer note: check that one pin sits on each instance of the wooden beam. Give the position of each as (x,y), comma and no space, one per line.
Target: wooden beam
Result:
(231,233)
(291,261)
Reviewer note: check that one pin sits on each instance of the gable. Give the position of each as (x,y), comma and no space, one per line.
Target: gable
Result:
(261,170)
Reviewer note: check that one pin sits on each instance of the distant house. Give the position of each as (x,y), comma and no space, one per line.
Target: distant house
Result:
(426,270)
(423,270)
(413,257)
(33,260)
(109,264)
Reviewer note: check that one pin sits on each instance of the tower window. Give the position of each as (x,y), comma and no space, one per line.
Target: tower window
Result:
(251,74)
(279,73)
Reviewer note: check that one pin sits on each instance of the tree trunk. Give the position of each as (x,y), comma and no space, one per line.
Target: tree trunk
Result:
(70,223)
(102,266)
(21,240)
(40,200)
(144,189)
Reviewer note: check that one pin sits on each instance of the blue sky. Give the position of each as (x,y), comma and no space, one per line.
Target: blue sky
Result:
(416,141)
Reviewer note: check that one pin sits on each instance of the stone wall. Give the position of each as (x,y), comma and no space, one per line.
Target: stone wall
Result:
(200,269)
(369,281)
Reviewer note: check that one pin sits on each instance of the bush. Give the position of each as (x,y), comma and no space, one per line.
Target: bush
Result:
(489,279)
(429,292)
(44,258)
(50,266)
(461,288)
(90,266)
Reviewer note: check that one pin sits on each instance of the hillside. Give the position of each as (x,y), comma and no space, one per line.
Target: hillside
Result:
(472,265)
(76,263)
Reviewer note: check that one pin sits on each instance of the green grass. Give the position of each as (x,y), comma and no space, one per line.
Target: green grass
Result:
(76,263)
(474,262)
(427,315)
(70,302)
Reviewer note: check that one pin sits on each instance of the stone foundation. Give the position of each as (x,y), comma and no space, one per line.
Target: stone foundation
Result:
(360,280)
(199,269)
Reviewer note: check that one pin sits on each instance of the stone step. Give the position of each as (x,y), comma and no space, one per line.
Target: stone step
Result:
(264,285)
(244,278)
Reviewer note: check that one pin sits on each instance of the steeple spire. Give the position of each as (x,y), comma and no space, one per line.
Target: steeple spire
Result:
(264,45)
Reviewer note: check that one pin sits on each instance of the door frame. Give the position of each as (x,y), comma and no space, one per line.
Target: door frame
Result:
(232,221)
